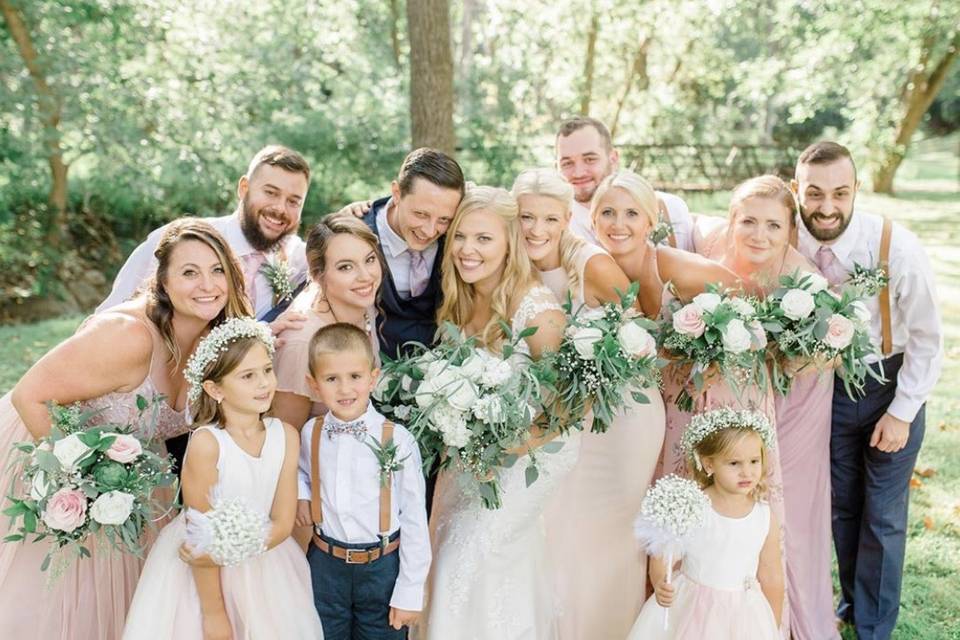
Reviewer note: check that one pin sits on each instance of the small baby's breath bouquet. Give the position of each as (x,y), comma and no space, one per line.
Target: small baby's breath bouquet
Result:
(672,508)
(229,533)
(607,353)
(85,479)
(716,331)
(467,406)
(813,327)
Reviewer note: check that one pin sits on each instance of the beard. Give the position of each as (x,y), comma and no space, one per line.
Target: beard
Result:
(824,235)
(249,220)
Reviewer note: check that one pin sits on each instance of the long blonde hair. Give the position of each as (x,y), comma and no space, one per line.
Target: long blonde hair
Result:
(637,187)
(459,297)
(550,184)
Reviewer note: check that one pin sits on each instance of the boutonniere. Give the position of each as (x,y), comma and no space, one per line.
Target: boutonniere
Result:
(660,232)
(868,281)
(387,459)
(280,275)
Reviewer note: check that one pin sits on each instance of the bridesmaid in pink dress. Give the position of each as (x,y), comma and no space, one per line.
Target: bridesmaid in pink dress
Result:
(138,347)
(755,244)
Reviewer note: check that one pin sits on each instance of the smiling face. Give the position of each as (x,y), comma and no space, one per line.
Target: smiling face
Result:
(343,381)
(739,469)
(584,161)
(423,215)
(542,221)
(621,226)
(352,272)
(479,248)
(826,193)
(271,202)
(760,230)
(250,386)
(196,281)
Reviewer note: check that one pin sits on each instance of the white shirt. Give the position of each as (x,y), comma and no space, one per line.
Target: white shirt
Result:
(679,212)
(142,264)
(397,253)
(350,496)
(914,313)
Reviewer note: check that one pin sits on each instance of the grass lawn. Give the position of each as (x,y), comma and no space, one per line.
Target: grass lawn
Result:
(928,202)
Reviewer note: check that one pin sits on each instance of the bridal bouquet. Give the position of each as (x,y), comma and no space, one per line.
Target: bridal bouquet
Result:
(811,326)
(715,332)
(82,480)
(607,353)
(466,406)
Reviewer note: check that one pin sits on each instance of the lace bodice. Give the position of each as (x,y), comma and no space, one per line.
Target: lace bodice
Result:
(121,407)
(537,300)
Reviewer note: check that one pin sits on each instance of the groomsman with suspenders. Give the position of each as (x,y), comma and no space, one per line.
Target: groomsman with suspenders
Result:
(876,438)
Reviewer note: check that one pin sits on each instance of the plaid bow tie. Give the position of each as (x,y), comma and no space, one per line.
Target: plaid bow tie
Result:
(357,428)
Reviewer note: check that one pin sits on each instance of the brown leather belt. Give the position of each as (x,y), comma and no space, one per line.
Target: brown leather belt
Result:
(356,556)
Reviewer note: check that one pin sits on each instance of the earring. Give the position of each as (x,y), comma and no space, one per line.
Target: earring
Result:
(219,400)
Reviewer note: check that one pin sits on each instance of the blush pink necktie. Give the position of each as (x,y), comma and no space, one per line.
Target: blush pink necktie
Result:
(829,266)
(419,273)
(251,266)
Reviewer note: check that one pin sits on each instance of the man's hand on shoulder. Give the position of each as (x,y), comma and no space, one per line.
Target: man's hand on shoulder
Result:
(289,319)
(357,209)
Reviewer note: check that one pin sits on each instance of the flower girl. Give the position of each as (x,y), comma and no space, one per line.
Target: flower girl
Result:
(227,567)
(729,584)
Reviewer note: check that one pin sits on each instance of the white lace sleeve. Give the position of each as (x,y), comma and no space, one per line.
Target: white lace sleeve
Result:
(537,300)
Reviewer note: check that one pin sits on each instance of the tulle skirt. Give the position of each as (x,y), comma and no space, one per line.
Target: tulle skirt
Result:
(269,596)
(701,612)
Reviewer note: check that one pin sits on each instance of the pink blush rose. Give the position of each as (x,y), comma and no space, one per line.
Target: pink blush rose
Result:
(66,510)
(839,332)
(689,321)
(125,449)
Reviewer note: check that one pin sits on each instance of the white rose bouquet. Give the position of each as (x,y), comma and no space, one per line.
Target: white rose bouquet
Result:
(812,327)
(715,332)
(606,353)
(82,480)
(467,406)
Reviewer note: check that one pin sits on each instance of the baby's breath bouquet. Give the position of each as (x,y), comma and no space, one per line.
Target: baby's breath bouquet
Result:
(715,332)
(83,480)
(812,327)
(467,406)
(671,510)
(229,533)
(607,353)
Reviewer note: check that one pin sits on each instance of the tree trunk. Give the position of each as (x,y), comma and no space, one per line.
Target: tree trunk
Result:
(49,106)
(431,75)
(919,92)
(588,63)
(395,32)
(638,74)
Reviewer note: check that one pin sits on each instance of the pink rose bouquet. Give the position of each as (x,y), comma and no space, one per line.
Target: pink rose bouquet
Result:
(715,331)
(811,326)
(83,480)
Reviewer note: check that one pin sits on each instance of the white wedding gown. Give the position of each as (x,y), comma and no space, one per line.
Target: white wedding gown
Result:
(490,579)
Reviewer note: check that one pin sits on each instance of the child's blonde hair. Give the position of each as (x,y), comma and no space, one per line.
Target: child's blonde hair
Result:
(717,444)
(338,338)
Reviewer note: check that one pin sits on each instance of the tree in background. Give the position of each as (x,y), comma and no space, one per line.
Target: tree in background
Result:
(431,75)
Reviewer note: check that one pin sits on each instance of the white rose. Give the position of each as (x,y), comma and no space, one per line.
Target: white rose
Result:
(636,340)
(69,451)
(743,307)
(591,313)
(860,310)
(402,412)
(736,337)
(39,487)
(472,368)
(584,338)
(816,283)
(496,373)
(461,394)
(707,302)
(113,507)
(797,304)
(489,410)
(452,426)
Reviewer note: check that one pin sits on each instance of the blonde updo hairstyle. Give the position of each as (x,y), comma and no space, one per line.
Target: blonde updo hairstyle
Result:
(206,410)
(550,184)
(766,186)
(638,188)
(717,444)
(459,298)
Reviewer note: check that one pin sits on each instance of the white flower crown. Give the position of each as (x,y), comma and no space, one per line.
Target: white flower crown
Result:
(705,424)
(216,342)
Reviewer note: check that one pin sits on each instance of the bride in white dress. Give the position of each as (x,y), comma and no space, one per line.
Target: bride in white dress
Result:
(489,579)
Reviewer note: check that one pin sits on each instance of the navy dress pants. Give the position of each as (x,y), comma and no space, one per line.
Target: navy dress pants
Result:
(870,494)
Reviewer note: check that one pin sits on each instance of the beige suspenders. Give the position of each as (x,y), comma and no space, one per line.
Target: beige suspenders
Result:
(316,508)
(665,216)
(886,331)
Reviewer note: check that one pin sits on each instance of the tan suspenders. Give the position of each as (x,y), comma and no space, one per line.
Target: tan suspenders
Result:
(316,509)
(665,216)
(886,331)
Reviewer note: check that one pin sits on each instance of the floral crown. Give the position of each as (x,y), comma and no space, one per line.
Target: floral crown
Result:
(216,342)
(706,424)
